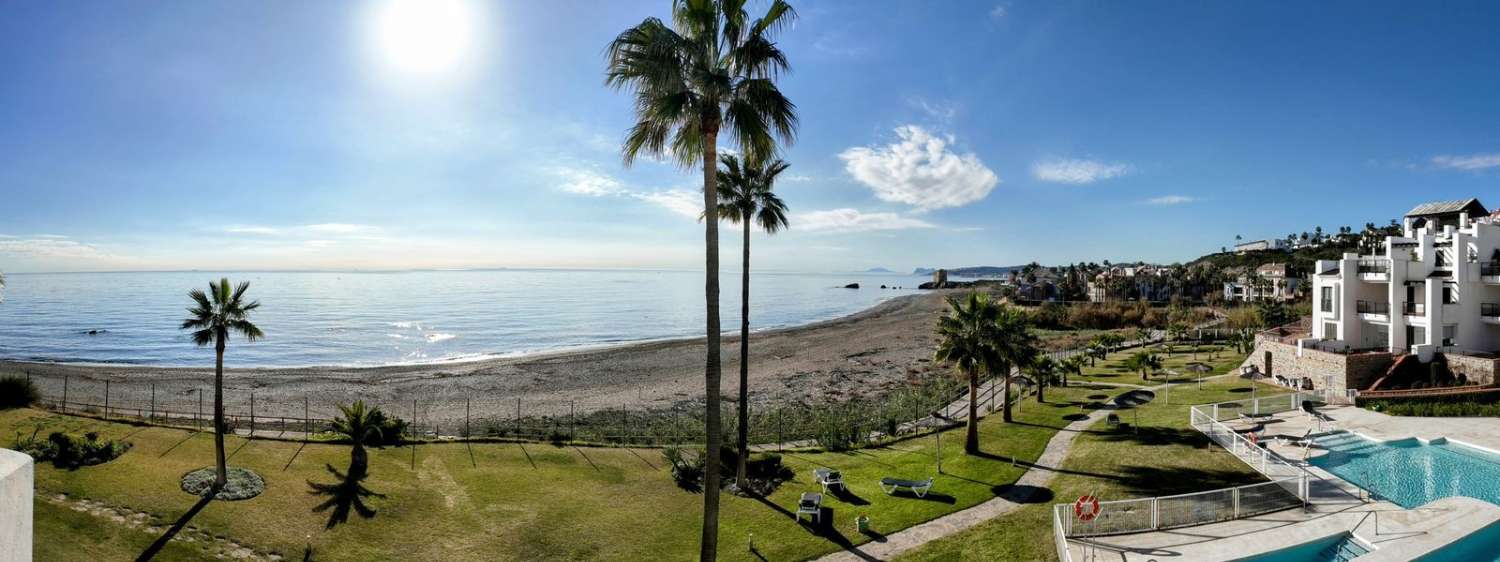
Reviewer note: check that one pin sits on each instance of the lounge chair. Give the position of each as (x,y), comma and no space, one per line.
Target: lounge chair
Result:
(811,504)
(918,487)
(1112,421)
(829,478)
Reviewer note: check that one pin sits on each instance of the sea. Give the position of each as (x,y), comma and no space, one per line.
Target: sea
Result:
(392,318)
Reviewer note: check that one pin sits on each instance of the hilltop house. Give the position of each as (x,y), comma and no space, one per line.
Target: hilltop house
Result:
(1268,282)
(1260,245)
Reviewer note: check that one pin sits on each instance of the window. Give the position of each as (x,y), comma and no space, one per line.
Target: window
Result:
(1327,299)
(1450,333)
(1450,294)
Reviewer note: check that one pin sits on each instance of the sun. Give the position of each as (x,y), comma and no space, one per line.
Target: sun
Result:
(424,38)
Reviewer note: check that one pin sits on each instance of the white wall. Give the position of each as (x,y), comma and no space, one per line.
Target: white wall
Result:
(15,506)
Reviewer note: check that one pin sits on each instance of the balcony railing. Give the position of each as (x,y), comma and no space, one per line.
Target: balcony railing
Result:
(1414,308)
(1373,267)
(1327,305)
(1489,310)
(1372,307)
(1489,268)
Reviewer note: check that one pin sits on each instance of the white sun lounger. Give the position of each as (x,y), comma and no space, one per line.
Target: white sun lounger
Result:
(828,478)
(918,487)
(810,504)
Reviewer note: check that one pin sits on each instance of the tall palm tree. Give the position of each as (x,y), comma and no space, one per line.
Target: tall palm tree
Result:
(358,423)
(213,317)
(713,69)
(746,197)
(1043,369)
(1014,346)
(967,335)
(1073,364)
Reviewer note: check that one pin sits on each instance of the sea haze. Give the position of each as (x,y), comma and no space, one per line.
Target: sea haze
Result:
(371,319)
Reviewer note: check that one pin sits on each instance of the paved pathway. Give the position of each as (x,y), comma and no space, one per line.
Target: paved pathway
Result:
(1037,477)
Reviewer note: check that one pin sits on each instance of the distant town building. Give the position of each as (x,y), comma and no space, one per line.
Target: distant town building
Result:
(1268,282)
(1121,283)
(1434,288)
(1260,245)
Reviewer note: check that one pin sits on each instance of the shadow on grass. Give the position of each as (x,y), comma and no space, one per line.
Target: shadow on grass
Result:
(823,527)
(178,444)
(1023,494)
(347,493)
(1167,481)
(294,456)
(843,494)
(1156,436)
(161,542)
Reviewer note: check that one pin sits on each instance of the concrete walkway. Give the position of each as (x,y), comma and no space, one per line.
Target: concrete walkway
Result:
(1037,477)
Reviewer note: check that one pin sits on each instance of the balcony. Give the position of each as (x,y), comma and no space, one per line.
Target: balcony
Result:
(1489,268)
(1414,309)
(1373,267)
(1489,310)
(1373,307)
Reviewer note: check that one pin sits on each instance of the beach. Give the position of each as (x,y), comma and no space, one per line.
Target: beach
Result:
(864,353)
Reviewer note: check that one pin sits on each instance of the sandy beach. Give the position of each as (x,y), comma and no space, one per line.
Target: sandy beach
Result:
(860,354)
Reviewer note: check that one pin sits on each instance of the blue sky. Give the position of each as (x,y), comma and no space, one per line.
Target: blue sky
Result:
(310,135)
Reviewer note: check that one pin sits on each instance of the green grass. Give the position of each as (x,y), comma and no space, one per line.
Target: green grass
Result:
(1165,456)
(1112,368)
(63,534)
(511,501)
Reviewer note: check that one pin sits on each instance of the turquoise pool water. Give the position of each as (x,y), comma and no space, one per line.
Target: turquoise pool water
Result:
(1480,546)
(1338,548)
(1411,473)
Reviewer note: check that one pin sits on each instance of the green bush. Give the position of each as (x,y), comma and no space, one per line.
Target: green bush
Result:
(17,392)
(68,452)
(392,428)
(687,469)
(1434,408)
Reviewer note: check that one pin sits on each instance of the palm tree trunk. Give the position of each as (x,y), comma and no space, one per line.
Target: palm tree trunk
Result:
(971,427)
(221,474)
(744,429)
(1006,371)
(712,424)
(1041,387)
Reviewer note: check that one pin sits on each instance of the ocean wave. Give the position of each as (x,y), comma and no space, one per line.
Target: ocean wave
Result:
(434,338)
(405,325)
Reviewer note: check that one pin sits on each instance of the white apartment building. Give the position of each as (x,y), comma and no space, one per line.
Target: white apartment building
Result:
(1435,288)
(1260,245)
(1268,282)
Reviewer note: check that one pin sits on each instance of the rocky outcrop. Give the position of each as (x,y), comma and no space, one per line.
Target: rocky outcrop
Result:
(852,286)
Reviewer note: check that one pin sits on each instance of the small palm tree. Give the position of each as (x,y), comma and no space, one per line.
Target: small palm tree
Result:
(746,196)
(1073,364)
(966,339)
(712,70)
(213,317)
(1096,350)
(1042,369)
(360,424)
(1144,362)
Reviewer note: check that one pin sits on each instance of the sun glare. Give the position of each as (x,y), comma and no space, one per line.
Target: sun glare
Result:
(425,38)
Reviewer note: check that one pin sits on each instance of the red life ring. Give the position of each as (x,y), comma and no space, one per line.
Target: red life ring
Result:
(1253,439)
(1086,508)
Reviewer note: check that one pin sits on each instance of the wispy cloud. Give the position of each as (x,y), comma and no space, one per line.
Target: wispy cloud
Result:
(593,183)
(52,247)
(1077,171)
(840,44)
(685,202)
(581,181)
(1169,200)
(852,220)
(260,230)
(920,170)
(941,111)
(797,178)
(998,12)
(339,228)
(1467,162)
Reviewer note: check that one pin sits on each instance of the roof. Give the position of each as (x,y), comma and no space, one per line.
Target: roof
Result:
(1472,205)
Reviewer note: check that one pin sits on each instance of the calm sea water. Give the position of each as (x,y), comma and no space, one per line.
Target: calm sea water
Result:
(366,319)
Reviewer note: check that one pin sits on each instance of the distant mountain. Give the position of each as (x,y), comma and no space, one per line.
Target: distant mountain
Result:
(974,272)
(878,270)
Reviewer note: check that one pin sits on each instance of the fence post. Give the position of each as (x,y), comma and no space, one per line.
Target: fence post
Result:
(1155,514)
(106,398)
(252,413)
(306,419)
(153,402)
(1236,495)
(572,422)
(198,419)
(780,429)
(466,417)
(414,422)
(65,392)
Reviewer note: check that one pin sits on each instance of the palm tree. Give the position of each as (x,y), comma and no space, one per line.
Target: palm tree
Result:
(1014,345)
(746,196)
(213,316)
(1042,369)
(358,423)
(1144,362)
(967,334)
(1073,364)
(711,70)
(1097,349)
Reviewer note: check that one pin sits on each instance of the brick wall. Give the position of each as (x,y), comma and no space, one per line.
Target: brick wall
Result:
(1349,371)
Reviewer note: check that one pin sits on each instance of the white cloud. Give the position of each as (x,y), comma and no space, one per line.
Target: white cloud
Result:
(685,202)
(852,220)
(940,110)
(261,230)
(51,247)
(1077,171)
(998,12)
(1169,200)
(588,182)
(920,170)
(1469,162)
(338,228)
(797,178)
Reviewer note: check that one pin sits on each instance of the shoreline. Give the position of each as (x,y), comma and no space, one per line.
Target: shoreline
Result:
(858,354)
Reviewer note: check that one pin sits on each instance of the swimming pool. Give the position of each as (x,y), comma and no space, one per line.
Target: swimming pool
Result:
(1480,546)
(1409,472)
(1337,548)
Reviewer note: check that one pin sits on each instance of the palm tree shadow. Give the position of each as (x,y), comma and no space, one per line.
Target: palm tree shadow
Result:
(345,495)
(177,527)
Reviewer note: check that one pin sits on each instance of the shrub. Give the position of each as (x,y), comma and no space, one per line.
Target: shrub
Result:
(392,428)
(68,452)
(687,469)
(17,392)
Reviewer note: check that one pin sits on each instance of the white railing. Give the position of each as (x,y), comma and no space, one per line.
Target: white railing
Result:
(1060,535)
(1184,510)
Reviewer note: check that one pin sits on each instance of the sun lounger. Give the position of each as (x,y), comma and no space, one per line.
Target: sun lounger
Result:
(918,487)
(828,478)
(811,504)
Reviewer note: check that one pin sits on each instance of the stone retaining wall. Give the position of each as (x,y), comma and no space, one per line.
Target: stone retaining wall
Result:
(1356,370)
(1478,370)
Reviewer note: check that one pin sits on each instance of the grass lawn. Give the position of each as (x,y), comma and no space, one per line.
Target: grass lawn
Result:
(1165,456)
(507,501)
(1112,368)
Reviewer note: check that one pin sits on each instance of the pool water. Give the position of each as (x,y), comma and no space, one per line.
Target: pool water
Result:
(1337,548)
(1480,546)
(1409,472)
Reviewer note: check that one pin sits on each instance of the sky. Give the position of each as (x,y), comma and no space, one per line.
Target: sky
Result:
(389,134)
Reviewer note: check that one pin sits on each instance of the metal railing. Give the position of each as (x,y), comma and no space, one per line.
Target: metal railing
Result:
(1373,266)
(1141,515)
(1060,533)
(1489,309)
(1413,308)
(1489,268)
(1372,307)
